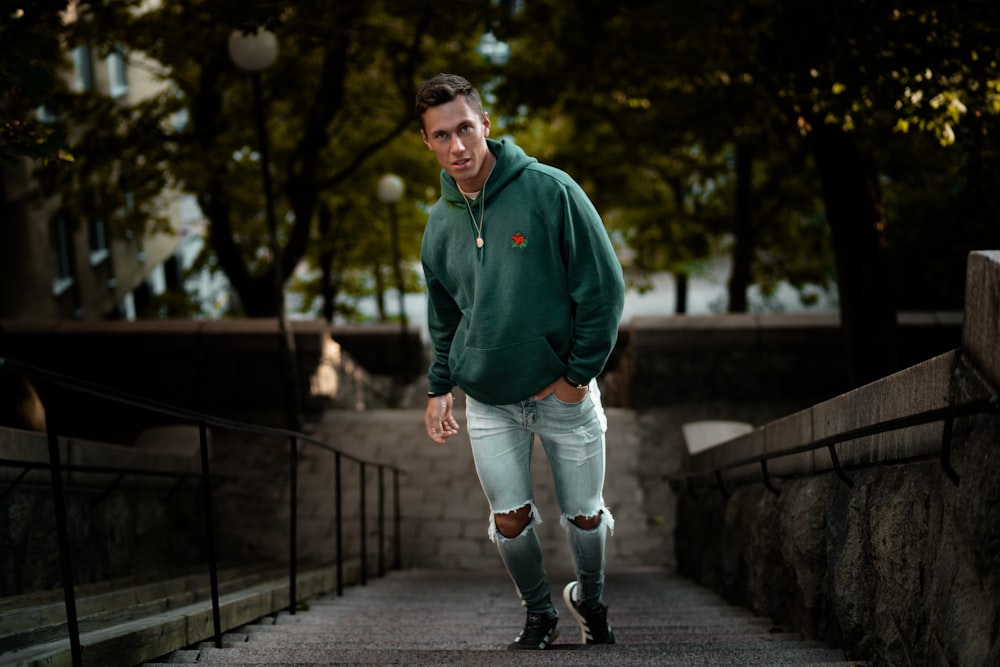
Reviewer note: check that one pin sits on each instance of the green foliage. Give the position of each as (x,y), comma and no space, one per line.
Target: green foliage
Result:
(657,94)
(945,204)
(647,104)
(339,95)
(30,51)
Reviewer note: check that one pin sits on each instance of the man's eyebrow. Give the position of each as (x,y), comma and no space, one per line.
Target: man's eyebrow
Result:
(457,126)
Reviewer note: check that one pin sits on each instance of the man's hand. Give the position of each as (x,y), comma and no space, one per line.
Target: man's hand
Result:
(563,391)
(438,419)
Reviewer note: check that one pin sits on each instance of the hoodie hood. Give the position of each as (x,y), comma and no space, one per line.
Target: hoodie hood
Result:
(511,161)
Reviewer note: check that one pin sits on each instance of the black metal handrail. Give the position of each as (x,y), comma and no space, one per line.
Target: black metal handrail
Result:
(946,414)
(56,468)
(120,473)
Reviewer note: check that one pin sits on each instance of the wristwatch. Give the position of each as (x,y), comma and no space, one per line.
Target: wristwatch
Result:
(574,383)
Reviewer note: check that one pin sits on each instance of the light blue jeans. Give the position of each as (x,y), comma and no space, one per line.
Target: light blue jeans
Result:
(573,438)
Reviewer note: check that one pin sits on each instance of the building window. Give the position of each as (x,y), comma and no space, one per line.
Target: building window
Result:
(43,115)
(62,256)
(117,74)
(83,68)
(140,249)
(100,246)
(127,307)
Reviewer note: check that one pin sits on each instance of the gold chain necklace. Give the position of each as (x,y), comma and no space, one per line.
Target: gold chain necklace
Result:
(482,208)
(482,216)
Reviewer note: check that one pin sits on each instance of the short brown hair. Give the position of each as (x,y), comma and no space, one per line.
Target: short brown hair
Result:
(443,88)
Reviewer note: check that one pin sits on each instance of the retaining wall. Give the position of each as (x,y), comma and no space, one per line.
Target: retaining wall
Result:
(902,564)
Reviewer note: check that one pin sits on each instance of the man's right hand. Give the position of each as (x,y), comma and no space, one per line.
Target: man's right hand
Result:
(438,419)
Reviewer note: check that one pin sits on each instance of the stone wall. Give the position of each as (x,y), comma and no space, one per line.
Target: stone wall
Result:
(144,525)
(902,566)
(137,526)
(666,360)
(229,368)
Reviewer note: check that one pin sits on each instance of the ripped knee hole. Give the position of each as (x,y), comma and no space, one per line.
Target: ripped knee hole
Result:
(587,522)
(511,524)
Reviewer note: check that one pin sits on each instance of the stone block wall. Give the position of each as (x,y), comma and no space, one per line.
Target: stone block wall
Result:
(750,357)
(135,528)
(902,565)
(230,368)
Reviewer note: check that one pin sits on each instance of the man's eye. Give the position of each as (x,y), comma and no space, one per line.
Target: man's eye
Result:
(465,129)
(440,136)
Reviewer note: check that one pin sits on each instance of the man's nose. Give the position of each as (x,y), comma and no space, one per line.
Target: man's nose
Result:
(457,146)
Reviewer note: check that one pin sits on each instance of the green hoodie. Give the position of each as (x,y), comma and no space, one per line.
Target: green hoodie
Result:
(542,298)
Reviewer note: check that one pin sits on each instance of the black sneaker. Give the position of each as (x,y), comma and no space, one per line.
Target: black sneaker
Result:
(594,627)
(539,631)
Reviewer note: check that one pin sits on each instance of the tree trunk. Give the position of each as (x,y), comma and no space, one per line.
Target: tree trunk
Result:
(855,212)
(328,234)
(379,291)
(746,237)
(681,292)
(257,296)
(254,293)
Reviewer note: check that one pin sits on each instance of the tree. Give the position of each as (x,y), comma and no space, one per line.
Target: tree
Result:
(858,74)
(30,53)
(340,92)
(669,158)
(844,76)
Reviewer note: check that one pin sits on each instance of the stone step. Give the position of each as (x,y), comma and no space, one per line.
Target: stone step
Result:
(434,617)
(651,656)
(32,619)
(125,637)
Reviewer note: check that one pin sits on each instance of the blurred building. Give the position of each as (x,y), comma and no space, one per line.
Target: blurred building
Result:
(55,268)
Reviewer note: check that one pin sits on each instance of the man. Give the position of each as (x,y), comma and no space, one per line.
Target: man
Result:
(525,295)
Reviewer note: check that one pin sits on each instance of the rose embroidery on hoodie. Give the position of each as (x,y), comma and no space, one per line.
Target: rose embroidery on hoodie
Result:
(518,240)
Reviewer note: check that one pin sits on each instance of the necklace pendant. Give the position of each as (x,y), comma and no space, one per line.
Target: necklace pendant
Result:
(479,241)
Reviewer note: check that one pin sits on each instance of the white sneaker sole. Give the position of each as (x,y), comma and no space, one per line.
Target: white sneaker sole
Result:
(568,599)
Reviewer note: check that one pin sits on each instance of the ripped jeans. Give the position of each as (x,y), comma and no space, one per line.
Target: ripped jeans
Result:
(573,438)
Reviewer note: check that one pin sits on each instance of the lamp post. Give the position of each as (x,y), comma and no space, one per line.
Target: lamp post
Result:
(254,53)
(390,190)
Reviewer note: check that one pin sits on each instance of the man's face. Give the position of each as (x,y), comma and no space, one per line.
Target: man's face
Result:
(457,135)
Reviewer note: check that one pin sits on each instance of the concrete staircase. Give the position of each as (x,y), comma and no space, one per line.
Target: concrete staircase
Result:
(127,621)
(435,617)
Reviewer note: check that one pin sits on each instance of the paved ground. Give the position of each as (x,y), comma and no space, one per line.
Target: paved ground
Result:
(433,617)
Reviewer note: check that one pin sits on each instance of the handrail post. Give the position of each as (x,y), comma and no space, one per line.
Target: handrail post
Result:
(293,529)
(13,485)
(397,546)
(213,566)
(339,522)
(364,528)
(381,520)
(946,451)
(836,466)
(767,478)
(62,531)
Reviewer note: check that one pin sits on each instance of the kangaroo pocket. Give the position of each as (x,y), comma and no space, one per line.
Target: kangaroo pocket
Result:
(507,374)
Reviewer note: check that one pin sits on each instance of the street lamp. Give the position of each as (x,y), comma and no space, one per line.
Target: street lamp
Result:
(254,53)
(390,190)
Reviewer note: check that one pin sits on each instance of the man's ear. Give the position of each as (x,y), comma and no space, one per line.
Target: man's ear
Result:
(486,124)
(423,135)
